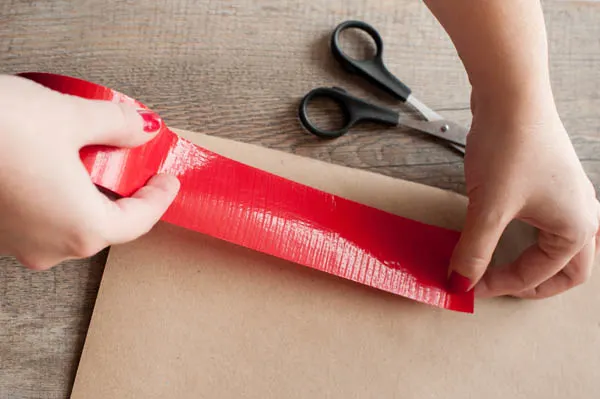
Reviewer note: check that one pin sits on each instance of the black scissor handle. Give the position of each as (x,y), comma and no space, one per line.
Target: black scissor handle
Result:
(374,70)
(353,108)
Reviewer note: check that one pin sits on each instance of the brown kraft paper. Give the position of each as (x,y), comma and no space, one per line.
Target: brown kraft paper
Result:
(182,315)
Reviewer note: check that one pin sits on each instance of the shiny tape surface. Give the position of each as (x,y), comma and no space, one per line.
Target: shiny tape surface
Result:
(250,207)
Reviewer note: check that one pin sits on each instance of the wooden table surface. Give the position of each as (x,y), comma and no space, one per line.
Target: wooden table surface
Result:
(238,71)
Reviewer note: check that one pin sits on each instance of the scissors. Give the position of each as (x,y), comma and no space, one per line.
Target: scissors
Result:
(356,110)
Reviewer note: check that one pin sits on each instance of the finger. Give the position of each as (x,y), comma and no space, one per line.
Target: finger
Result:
(598,232)
(37,264)
(473,253)
(108,123)
(535,265)
(130,218)
(577,271)
(597,238)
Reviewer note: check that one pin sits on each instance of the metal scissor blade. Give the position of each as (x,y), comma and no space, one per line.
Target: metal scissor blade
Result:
(443,129)
(426,112)
(435,125)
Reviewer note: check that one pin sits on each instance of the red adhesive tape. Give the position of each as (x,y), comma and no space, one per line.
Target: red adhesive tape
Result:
(250,207)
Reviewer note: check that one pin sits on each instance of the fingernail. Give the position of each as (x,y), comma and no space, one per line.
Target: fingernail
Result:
(458,283)
(152,121)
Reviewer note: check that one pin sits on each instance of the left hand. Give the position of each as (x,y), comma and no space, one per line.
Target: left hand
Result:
(50,210)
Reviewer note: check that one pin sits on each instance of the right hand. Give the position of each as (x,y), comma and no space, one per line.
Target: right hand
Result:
(522,165)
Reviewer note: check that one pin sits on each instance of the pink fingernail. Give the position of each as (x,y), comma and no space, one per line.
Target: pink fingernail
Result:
(152,121)
(458,283)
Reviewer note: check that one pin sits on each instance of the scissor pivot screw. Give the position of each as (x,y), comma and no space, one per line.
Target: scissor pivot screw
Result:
(445,128)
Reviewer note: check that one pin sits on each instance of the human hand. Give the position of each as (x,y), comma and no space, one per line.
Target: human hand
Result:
(520,164)
(50,210)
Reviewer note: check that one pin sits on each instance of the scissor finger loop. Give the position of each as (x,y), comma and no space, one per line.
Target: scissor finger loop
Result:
(354,110)
(373,69)
(363,26)
(333,94)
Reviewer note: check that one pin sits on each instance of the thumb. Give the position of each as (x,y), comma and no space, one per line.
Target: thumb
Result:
(108,123)
(131,217)
(483,228)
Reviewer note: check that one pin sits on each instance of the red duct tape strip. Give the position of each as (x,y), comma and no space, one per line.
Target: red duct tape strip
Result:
(247,206)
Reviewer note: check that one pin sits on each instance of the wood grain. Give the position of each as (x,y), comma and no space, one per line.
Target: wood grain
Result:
(238,71)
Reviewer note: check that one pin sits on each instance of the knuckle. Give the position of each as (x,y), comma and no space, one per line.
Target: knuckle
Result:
(119,112)
(472,264)
(531,293)
(578,279)
(83,243)
(591,189)
(594,227)
(85,249)
(98,116)
(573,237)
(490,212)
(555,246)
(524,282)
(122,121)
(36,263)
(583,230)
(577,274)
